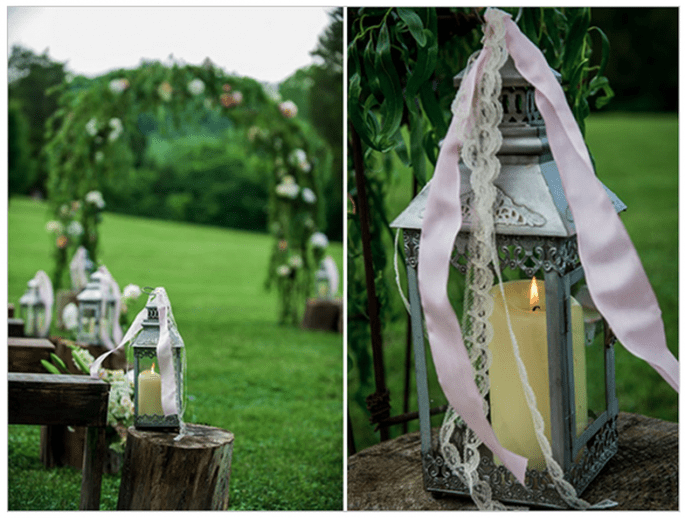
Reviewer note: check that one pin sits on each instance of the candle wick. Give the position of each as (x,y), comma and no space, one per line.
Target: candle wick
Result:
(536,307)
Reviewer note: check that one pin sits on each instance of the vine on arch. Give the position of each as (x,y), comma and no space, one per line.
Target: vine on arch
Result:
(94,140)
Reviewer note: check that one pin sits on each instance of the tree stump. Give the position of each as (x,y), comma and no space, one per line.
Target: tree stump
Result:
(643,475)
(192,473)
(323,314)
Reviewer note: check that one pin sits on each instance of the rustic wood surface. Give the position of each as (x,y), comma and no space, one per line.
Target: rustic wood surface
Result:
(642,475)
(25,354)
(323,314)
(160,473)
(57,399)
(64,399)
(15,327)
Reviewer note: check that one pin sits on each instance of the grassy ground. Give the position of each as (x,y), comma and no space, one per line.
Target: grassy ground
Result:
(278,389)
(636,157)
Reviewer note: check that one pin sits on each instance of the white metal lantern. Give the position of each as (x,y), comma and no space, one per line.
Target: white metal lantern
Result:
(535,235)
(323,281)
(149,373)
(33,311)
(91,313)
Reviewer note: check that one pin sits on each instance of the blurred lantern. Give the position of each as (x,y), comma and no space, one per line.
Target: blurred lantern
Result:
(323,281)
(92,305)
(534,235)
(158,367)
(33,311)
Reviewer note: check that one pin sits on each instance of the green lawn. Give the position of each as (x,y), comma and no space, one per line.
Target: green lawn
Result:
(278,389)
(637,157)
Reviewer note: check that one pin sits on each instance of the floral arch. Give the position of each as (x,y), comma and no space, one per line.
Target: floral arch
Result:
(90,143)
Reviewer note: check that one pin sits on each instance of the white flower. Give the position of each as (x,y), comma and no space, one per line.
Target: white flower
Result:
(92,127)
(117,128)
(95,197)
(118,85)
(70,316)
(319,240)
(298,157)
(75,229)
(283,270)
(196,86)
(99,156)
(237,97)
(132,292)
(296,261)
(54,227)
(164,90)
(308,195)
(253,133)
(288,188)
(288,109)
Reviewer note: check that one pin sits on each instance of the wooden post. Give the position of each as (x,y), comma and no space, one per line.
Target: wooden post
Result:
(161,473)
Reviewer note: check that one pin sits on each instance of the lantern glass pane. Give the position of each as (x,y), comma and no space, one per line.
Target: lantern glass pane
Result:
(89,321)
(590,378)
(29,320)
(149,383)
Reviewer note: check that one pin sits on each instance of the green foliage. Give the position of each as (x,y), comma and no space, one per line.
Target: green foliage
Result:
(95,145)
(30,79)
(277,388)
(20,168)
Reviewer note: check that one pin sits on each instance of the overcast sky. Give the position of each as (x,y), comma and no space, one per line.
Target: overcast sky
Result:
(265,43)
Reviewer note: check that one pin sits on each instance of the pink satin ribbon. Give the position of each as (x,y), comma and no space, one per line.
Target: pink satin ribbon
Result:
(615,277)
(614,274)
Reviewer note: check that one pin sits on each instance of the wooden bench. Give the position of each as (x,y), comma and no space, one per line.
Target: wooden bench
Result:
(25,354)
(56,399)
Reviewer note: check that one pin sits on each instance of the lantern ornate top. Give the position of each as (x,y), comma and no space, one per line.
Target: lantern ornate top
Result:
(530,198)
(149,335)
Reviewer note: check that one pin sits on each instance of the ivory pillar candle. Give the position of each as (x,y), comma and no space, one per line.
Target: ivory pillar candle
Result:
(150,392)
(511,419)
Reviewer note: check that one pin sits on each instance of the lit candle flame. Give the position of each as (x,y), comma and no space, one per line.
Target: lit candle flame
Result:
(534,297)
(152,369)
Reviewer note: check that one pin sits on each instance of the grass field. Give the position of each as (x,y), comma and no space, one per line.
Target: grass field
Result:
(637,157)
(278,389)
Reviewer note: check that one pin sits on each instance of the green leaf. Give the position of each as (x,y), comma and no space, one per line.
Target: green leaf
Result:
(418,161)
(576,37)
(432,108)
(80,363)
(58,362)
(605,50)
(50,367)
(426,60)
(389,81)
(414,24)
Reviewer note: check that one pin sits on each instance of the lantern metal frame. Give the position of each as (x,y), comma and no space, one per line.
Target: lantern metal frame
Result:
(31,306)
(534,233)
(90,306)
(145,346)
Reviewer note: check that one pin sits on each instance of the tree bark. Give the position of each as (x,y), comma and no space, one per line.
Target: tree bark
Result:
(192,473)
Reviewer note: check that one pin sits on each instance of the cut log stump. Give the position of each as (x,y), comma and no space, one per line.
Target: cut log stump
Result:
(191,473)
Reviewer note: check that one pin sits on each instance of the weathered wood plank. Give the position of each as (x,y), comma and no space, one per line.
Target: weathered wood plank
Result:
(642,475)
(93,460)
(162,473)
(25,354)
(57,399)
(15,327)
